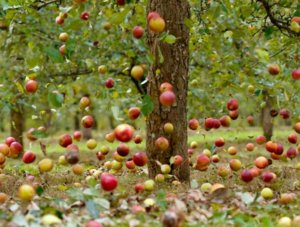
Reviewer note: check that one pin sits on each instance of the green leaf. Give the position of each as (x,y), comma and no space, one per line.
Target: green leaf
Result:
(188,22)
(263,55)
(258,92)
(39,190)
(147,106)
(170,39)
(90,205)
(118,18)
(39,134)
(55,99)
(266,222)
(54,54)
(20,87)
(102,204)
(161,200)
(116,111)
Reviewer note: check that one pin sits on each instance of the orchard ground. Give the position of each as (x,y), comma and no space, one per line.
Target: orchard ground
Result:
(72,197)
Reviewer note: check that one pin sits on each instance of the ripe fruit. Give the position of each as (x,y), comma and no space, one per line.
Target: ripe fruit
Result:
(157,24)
(152,15)
(77,169)
(261,162)
(292,138)
(284,222)
(15,148)
(102,69)
(77,135)
(271,146)
(3,197)
(297,127)
(232,104)
(267,176)
(130,164)
(91,144)
(26,192)
(87,121)
(250,120)
(194,145)
(72,147)
(178,160)
(159,178)
(165,169)
(216,124)
(29,134)
(107,26)
(62,160)
(286,198)
(84,15)
(139,188)
(246,175)
(134,113)
(45,165)
(273,69)
(100,156)
(232,150)
(167,98)
(165,87)
(59,20)
(63,36)
(149,185)
(108,182)
(162,143)
(291,153)
(72,157)
(9,140)
(109,83)
(121,2)
(223,171)
(28,157)
(215,158)
(225,121)
(193,124)
(296,19)
(124,132)
(137,32)
(137,72)
(110,137)
(296,74)
(4,149)
(65,140)
(2,159)
(266,193)
(284,113)
(168,128)
(235,164)
(220,142)
(123,149)
(137,139)
(140,158)
(31,86)
(209,123)
(233,114)
(62,49)
(202,162)
(84,102)
(205,187)
(250,147)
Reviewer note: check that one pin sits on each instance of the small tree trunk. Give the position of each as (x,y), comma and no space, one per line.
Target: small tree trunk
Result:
(266,118)
(2,128)
(173,69)
(17,121)
(76,121)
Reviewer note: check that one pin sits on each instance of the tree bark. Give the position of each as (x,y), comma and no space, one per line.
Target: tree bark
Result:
(17,123)
(266,118)
(173,69)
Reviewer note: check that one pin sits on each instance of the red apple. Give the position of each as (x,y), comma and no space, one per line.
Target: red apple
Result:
(72,157)
(121,2)
(59,20)
(130,164)
(77,135)
(209,123)
(261,139)
(271,146)
(279,149)
(28,157)
(9,140)
(140,158)
(178,160)
(87,121)
(235,164)
(261,162)
(93,223)
(134,113)
(216,124)
(167,98)
(110,137)
(72,147)
(15,148)
(296,74)
(233,114)
(100,156)
(84,15)
(109,83)
(137,139)
(162,143)
(202,162)
(152,15)
(193,124)
(220,142)
(232,104)
(31,86)
(139,188)
(267,176)
(4,149)
(250,147)
(165,87)
(65,140)
(297,127)
(255,171)
(124,132)
(215,158)
(291,153)
(123,149)
(250,120)
(284,113)
(273,69)
(225,121)
(29,134)
(62,49)
(157,24)
(108,182)
(138,32)
(292,138)
(246,175)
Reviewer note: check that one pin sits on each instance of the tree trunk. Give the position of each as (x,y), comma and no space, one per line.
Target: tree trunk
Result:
(266,118)
(173,69)
(76,121)
(2,128)
(17,123)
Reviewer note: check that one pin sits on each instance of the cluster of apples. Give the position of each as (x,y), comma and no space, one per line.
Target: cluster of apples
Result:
(295,24)
(274,69)
(9,149)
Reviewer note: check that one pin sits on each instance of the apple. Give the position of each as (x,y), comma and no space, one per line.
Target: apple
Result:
(220,142)
(209,123)
(261,139)
(130,164)
(15,148)
(284,222)
(162,143)
(190,152)
(266,193)
(140,158)
(193,124)
(2,159)
(63,37)
(100,156)
(87,121)
(194,145)
(45,165)
(121,2)
(202,162)
(62,49)
(29,134)
(292,138)
(233,114)
(165,87)
(28,157)
(149,185)
(137,139)
(93,223)
(159,178)
(137,32)
(216,124)
(286,198)
(102,69)
(273,113)
(62,160)
(91,144)
(84,15)
(250,147)
(108,182)
(178,160)
(137,72)
(296,74)
(72,147)
(31,86)
(139,188)
(124,132)
(107,26)
(123,149)
(65,140)
(250,120)
(167,98)
(110,137)
(246,175)
(296,19)
(3,197)
(109,83)
(26,192)
(152,15)
(168,128)
(134,113)
(273,69)
(261,162)
(291,153)
(232,150)
(255,171)
(72,157)
(77,169)
(284,113)
(232,104)
(215,158)
(267,176)
(207,152)
(4,149)
(225,121)
(9,140)
(205,187)
(271,146)
(59,20)
(297,127)
(84,102)
(165,168)
(157,24)
(77,135)
(223,171)
(235,164)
